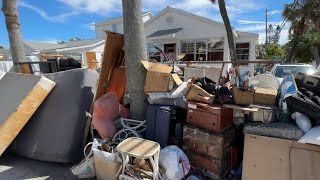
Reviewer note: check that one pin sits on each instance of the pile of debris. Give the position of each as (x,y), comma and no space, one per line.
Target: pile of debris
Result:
(197,125)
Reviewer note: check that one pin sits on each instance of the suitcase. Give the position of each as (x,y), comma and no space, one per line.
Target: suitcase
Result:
(163,122)
(210,117)
(310,82)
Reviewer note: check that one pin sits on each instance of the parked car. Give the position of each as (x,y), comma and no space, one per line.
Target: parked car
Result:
(280,71)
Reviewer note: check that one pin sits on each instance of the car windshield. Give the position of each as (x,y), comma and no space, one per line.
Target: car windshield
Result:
(283,71)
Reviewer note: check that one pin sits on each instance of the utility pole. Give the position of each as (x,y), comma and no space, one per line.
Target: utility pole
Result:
(266,26)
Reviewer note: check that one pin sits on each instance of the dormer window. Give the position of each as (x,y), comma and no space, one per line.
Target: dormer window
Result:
(114,28)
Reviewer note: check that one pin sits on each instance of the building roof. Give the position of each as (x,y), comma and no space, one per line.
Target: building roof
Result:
(40,45)
(165,32)
(118,19)
(50,46)
(6,52)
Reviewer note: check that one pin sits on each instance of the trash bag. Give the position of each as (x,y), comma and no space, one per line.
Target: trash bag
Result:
(174,162)
(302,121)
(70,62)
(106,110)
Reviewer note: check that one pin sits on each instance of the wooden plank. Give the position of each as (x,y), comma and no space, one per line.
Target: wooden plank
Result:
(25,69)
(112,57)
(21,95)
(112,53)
(91,60)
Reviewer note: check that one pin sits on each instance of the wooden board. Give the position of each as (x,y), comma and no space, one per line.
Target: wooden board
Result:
(268,158)
(91,60)
(118,82)
(20,97)
(113,56)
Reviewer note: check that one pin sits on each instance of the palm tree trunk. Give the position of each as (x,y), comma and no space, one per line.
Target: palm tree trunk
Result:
(293,49)
(224,15)
(10,11)
(316,54)
(135,51)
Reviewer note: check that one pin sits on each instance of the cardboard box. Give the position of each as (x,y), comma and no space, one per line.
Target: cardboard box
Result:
(196,93)
(263,96)
(268,158)
(159,78)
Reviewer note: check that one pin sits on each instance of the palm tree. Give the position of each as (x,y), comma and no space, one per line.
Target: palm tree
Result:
(303,16)
(135,51)
(229,30)
(10,11)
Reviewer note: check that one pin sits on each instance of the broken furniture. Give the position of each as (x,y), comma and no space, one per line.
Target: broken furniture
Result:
(130,128)
(139,148)
(207,149)
(212,117)
(45,67)
(21,95)
(56,130)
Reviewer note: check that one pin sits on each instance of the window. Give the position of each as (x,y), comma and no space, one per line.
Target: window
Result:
(114,28)
(187,48)
(215,51)
(242,51)
(201,50)
(153,53)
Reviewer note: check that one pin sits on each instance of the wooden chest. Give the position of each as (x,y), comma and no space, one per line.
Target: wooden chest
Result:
(216,166)
(201,141)
(213,118)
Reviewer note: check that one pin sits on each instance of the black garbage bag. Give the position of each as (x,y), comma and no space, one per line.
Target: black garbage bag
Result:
(70,63)
(206,84)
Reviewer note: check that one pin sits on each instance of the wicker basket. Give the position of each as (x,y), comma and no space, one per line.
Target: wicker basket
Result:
(242,97)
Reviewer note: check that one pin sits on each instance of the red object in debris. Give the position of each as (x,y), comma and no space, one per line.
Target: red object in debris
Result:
(124,112)
(118,82)
(234,157)
(106,110)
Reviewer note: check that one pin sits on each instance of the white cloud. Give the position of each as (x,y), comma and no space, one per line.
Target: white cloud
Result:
(273,12)
(90,26)
(57,18)
(252,28)
(255,22)
(101,7)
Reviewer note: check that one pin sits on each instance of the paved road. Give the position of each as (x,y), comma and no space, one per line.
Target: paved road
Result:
(16,168)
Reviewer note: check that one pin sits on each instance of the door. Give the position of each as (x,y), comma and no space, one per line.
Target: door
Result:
(91,60)
(170,49)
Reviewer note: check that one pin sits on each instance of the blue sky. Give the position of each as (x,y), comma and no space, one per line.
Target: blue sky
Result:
(54,20)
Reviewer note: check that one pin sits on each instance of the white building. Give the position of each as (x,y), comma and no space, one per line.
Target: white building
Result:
(80,50)
(177,32)
(115,25)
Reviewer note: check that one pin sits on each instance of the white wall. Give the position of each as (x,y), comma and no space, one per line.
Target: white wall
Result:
(100,29)
(192,28)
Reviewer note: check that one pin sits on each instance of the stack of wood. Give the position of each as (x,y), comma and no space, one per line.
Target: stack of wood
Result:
(206,144)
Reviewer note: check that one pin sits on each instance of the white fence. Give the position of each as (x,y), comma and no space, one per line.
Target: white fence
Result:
(5,66)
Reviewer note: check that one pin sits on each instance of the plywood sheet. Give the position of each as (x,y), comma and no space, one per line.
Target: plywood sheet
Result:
(20,97)
(304,164)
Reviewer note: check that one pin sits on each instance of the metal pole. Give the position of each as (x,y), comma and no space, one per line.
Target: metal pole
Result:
(266,26)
